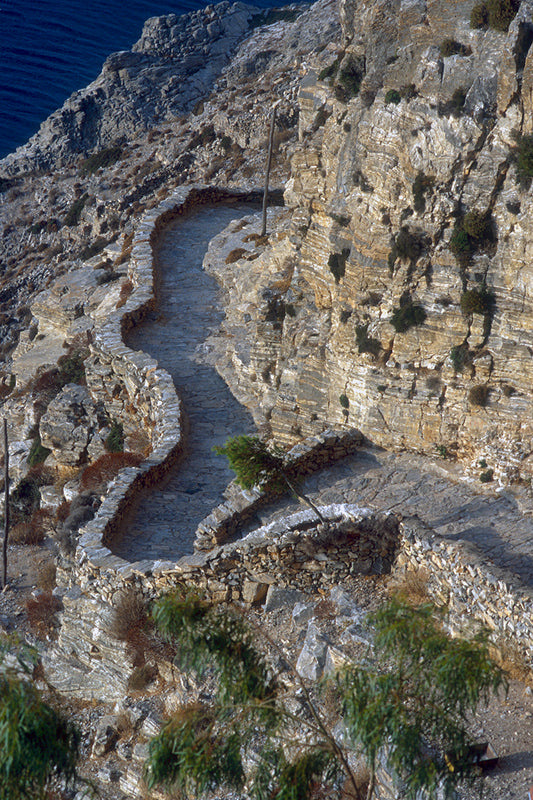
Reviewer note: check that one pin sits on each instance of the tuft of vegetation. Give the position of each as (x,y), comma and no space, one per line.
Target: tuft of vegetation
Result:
(349,80)
(343,400)
(460,357)
(477,225)
(365,343)
(479,16)
(236,255)
(114,442)
(104,158)
(422,185)
(477,301)
(407,316)
(486,476)
(93,249)
(40,746)
(37,453)
(496,14)
(41,612)
(341,219)
(72,217)
(451,47)
(71,368)
(337,263)
(408,91)
(407,245)
(330,71)
(393,96)
(479,394)
(524,159)
(97,475)
(257,464)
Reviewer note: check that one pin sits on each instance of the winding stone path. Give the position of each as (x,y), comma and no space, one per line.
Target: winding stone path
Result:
(166,519)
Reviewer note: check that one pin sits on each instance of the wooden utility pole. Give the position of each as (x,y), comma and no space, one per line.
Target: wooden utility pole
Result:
(269,162)
(6,507)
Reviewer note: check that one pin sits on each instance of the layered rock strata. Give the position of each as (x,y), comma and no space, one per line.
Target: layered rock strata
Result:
(375,310)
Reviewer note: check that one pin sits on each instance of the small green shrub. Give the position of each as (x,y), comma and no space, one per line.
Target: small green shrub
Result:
(407,246)
(37,453)
(104,158)
(422,184)
(341,219)
(72,217)
(349,81)
(25,499)
(477,225)
(459,356)
(407,316)
(501,13)
(337,263)
(345,315)
(487,476)
(393,96)
(330,71)
(477,301)
(524,160)
(71,369)
(479,394)
(450,47)
(441,450)
(365,343)
(343,400)
(114,442)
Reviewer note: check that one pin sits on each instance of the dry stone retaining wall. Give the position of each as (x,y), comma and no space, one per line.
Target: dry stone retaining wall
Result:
(472,587)
(288,557)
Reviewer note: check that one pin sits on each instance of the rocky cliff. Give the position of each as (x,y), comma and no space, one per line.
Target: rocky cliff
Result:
(399,299)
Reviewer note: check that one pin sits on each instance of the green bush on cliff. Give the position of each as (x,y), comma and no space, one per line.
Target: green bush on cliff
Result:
(337,263)
(393,96)
(104,158)
(524,158)
(407,316)
(72,217)
(349,80)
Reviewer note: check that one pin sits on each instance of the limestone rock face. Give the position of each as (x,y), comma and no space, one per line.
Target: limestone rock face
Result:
(68,424)
(378,187)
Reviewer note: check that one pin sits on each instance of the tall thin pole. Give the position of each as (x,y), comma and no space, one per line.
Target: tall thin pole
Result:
(268,164)
(6,506)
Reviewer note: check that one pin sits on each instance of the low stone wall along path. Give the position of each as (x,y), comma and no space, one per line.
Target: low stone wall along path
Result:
(164,524)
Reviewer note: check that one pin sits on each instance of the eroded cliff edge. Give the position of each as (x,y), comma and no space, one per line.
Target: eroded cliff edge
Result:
(399,300)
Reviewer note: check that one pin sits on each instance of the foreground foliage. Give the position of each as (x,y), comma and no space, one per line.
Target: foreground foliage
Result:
(411,701)
(39,748)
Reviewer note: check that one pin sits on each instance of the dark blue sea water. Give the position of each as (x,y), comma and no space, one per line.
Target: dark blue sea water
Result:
(50,48)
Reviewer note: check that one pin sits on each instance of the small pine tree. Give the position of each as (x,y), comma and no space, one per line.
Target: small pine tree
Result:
(256,464)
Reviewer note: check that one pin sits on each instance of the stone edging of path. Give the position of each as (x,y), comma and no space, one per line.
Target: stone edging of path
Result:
(457,574)
(151,389)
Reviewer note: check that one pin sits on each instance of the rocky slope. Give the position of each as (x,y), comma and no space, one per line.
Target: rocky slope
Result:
(400,300)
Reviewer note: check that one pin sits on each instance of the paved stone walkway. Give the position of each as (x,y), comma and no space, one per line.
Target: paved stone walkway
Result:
(166,520)
(410,484)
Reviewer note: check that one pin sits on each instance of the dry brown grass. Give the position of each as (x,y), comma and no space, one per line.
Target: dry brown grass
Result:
(512,660)
(125,290)
(235,255)
(41,612)
(33,530)
(96,476)
(411,586)
(46,577)
(139,442)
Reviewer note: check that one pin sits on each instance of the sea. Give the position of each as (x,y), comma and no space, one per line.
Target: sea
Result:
(51,48)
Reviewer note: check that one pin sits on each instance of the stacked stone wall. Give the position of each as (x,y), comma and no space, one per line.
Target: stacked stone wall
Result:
(286,556)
